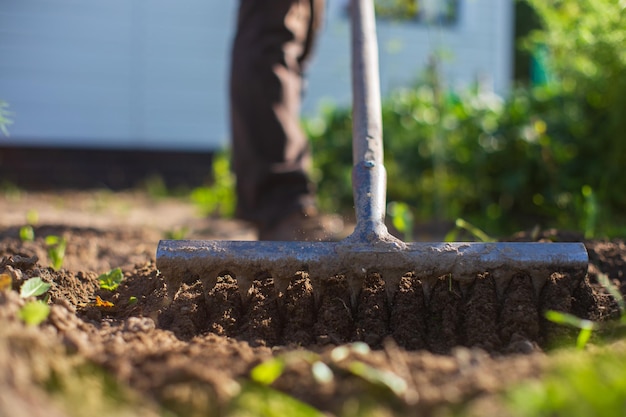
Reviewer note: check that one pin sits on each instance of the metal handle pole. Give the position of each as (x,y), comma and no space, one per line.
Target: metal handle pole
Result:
(369,180)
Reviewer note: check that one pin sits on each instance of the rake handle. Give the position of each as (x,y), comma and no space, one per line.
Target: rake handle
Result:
(369,178)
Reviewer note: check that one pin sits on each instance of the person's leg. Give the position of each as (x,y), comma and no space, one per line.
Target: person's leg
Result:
(271,154)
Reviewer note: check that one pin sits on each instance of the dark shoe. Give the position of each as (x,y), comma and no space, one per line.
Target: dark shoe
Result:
(307,225)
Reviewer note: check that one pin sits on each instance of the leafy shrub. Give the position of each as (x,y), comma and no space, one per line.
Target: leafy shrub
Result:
(586,41)
(218,198)
(549,155)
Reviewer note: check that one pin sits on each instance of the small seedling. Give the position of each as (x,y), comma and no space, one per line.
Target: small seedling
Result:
(177,233)
(604,280)
(111,280)
(258,395)
(462,224)
(56,250)
(385,379)
(585,326)
(27,234)
(259,400)
(34,287)
(36,311)
(132,300)
(322,372)
(378,377)
(267,372)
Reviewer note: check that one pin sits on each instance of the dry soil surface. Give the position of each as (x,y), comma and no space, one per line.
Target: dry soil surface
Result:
(151,353)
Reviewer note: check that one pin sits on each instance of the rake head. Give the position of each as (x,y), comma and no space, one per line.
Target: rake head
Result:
(370,248)
(187,260)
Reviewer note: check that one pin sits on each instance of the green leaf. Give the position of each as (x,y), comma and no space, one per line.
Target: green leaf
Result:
(564,318)
(132,300)
(583,337)
(604,280)
(52,240)
(111,280)
(256,400)
(379,377)
(34,312)
(576,384)
(27,234)
(56,250)
(322,372)
(462,224)
(177,233)
(401,218)
(219,197)
(268,371)
(586,326)
(34,287)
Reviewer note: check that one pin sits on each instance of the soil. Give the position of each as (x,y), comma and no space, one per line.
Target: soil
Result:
(190,352)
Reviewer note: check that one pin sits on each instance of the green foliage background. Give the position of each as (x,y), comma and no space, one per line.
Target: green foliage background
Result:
(548,155)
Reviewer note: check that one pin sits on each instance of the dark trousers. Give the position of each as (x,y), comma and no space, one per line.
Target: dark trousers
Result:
(271,155)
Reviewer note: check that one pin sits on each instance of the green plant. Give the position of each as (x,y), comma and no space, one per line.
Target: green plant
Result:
(177,233)
(585,326)
(578,384)
(548,155)
(111,280)
(35,311)
(463,225)
(27,233)
(56,250)
(267,372)
(258,397)
(588,66)
(604,280)
(218,198)
(34,287)
(502,164)
(401,218)
(256,400)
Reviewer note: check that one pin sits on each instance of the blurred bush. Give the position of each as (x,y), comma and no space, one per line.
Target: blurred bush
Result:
(550,155)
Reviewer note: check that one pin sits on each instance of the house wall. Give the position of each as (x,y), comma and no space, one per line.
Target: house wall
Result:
(152,74)
(478,47)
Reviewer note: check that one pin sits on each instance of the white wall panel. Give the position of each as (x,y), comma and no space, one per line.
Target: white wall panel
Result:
(152,74)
